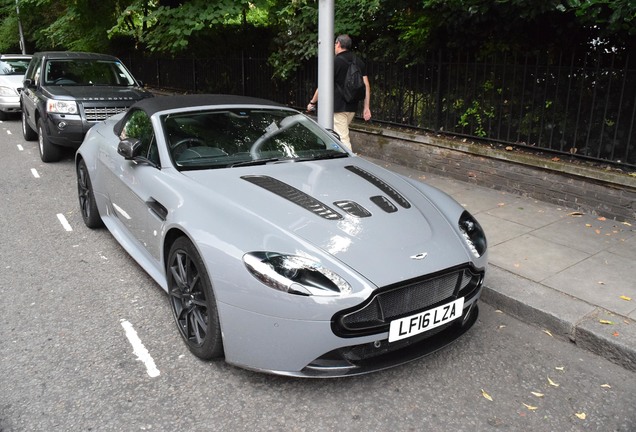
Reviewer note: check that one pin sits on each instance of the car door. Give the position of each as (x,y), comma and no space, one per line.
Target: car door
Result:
(133,186)
(28,95)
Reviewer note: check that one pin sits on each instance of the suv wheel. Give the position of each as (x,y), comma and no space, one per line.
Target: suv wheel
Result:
(48,152)
(28,132)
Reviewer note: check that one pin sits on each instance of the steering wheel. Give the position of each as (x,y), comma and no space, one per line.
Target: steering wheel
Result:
(63,81)
(184,144)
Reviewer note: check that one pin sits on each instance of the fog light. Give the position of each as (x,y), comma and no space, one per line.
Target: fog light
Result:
(61,125)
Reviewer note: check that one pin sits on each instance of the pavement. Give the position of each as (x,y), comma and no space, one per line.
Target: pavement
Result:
(569,273)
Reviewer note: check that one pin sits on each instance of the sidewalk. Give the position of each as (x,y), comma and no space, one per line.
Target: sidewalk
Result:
(571,274)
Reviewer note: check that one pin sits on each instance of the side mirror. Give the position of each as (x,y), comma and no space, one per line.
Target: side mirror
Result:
(27,83)
(129,148)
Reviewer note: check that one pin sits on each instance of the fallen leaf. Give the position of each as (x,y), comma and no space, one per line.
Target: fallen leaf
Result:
(601,283)
(509,148)
(537,394)
(625,298)
(606,386)
(501,204)
(555,159)
(502,326)
(597,231)
(530,407)
(486,395)
(588,225)
(560,368)
(627,224)
(575,214)
(601,218)
(616,334)
(498,311)
(547,332)
(552,383)
(606,322)
(581,415)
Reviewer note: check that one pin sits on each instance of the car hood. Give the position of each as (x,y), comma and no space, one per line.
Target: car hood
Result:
(89,93)
(334,205)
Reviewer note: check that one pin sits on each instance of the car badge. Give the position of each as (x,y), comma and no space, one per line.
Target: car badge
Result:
(419,256)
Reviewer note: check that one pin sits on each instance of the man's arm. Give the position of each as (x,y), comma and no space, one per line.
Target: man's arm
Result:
(367,99)
(311,106)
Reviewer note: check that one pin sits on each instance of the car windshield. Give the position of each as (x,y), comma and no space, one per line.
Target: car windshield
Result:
(240,137)
(86,72)
(13,66)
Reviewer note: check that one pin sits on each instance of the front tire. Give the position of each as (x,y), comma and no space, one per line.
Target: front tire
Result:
(86,196)
(193,302)
(49,152)
(27,131)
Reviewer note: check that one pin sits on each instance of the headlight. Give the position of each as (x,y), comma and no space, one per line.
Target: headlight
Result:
(473,234)
(7,91)
(61,107)
(294,274)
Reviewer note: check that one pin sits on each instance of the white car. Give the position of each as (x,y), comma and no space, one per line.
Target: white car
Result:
(12,69)
(278,248)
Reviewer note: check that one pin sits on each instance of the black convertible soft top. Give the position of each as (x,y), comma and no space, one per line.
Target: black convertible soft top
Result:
(162,103)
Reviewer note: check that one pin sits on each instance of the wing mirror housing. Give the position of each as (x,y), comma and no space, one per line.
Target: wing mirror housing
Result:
(129,148)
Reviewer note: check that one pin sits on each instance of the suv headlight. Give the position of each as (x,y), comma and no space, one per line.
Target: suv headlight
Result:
(294,274)
(61,107)
(473,234)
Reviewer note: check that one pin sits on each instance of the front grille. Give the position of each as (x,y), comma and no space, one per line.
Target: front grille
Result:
(96,114)
(406,299)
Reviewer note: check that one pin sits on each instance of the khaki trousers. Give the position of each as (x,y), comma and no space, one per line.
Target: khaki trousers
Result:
(341,122)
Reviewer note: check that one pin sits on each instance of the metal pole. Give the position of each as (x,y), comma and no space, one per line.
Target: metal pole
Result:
(22,46)
(325,62)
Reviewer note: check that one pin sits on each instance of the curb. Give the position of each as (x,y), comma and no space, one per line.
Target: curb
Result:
(564,316)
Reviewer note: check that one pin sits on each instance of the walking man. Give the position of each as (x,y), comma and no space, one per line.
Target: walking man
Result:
(345,111)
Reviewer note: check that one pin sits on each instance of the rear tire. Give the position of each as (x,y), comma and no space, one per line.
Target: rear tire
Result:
(27,131)
(86,196)
(192,300)
(49,152)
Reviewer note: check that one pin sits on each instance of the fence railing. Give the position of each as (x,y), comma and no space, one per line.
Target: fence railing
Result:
(583,106)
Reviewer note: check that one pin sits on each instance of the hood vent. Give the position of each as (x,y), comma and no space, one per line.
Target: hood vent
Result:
(384,203)
(353,208)
(294,195)
(380,184)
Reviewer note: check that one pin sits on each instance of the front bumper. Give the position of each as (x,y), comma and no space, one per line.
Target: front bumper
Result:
(10,104)
(310,349)
(66,130)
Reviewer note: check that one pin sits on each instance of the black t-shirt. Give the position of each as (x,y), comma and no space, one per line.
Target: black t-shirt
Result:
(341,65)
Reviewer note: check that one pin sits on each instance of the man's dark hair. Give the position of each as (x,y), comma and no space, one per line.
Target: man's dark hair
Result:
(345,41)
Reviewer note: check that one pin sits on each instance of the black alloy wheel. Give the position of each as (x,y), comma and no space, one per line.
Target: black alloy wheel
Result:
(192,300)
(86,196)
(49,152)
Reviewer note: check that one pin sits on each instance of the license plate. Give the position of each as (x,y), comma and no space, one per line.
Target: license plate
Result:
(419,323)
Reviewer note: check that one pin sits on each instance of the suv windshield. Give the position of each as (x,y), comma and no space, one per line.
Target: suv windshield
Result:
(239,137)
(86,72)
(13,67)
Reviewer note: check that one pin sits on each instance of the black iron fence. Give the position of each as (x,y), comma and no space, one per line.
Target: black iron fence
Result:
(580,105)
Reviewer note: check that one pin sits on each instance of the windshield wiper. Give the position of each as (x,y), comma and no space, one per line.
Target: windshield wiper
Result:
(254,162)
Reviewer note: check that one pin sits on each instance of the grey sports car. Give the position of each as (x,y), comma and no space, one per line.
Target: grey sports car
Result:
(278,249)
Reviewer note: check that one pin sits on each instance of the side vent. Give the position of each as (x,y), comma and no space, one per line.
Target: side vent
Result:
(380,184)
(384,203)
(353,208)
(294,195)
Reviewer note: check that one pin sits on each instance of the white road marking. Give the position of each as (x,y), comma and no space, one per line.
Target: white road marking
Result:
(20,147)
(35,173)
(139,349)
(64,222)
(9,132)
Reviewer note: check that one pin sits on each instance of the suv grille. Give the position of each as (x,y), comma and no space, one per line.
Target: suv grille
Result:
(398,301)
(96,114)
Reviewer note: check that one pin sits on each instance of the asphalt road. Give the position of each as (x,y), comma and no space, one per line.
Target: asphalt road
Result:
(69,296)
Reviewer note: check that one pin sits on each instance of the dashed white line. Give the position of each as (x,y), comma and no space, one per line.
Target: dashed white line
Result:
(64,222)
(20,147)
(139,349)
(9,132)
(35,173)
